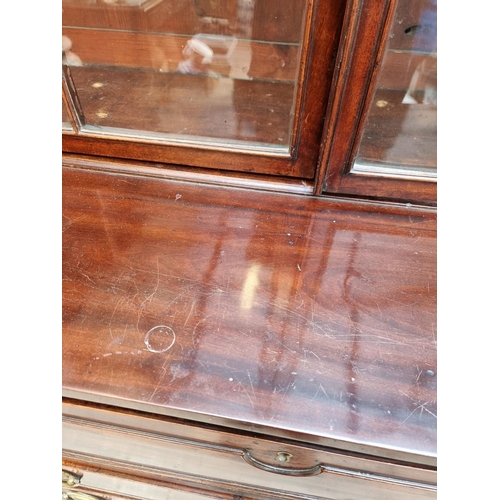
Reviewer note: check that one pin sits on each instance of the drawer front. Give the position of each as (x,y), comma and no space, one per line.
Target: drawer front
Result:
(242,472)
(88,484)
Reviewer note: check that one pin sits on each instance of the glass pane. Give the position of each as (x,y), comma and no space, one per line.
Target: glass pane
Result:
(197,70)
(400,134)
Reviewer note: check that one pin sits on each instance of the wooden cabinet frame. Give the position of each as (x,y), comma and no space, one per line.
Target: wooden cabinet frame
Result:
(323,23)
(366,30)
(294,312)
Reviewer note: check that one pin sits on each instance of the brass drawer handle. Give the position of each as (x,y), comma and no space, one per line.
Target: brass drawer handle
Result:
(70,478)
(287,471)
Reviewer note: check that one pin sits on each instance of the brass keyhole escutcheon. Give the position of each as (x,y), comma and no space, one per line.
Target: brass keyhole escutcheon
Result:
(283,457)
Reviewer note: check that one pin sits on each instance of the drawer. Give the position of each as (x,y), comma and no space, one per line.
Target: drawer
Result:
(83,483)
(160,451)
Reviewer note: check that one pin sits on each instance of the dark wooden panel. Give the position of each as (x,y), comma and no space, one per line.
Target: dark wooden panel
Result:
(265,312)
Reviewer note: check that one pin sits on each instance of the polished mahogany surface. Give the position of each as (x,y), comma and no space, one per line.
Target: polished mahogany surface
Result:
(284,314)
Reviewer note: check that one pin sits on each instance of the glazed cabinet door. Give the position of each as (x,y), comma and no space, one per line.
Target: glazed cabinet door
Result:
(232,85)
(382,137)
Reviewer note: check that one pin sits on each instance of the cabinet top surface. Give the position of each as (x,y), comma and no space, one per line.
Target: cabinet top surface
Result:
(275,313)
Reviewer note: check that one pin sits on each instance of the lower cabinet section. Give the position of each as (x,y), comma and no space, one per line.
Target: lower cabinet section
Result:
(113,455)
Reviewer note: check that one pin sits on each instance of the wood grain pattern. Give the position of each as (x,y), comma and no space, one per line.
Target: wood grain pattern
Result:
(266,312)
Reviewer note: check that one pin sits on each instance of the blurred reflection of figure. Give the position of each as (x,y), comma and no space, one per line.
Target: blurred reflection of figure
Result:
(71,58)
(198,56)
(228,54)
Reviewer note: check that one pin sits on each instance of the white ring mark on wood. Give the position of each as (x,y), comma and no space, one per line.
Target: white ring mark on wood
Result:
(159,339)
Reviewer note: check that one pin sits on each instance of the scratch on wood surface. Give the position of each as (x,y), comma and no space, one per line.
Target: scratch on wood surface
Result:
(190,312)
(286,347)
(377,339)
(113,314)
(307,320)
(305,353)
(419,372)
(433,331)
(157,283)
(251,383)
(165,274)
(177,297)
(320,388)
(164,370)
(118,353)
(69,222)
(421,407)
(193,333)
(116,340)
(246,392)
(88,277)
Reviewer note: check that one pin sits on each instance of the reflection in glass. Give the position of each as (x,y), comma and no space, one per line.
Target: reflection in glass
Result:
(208,70)
(400,134)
